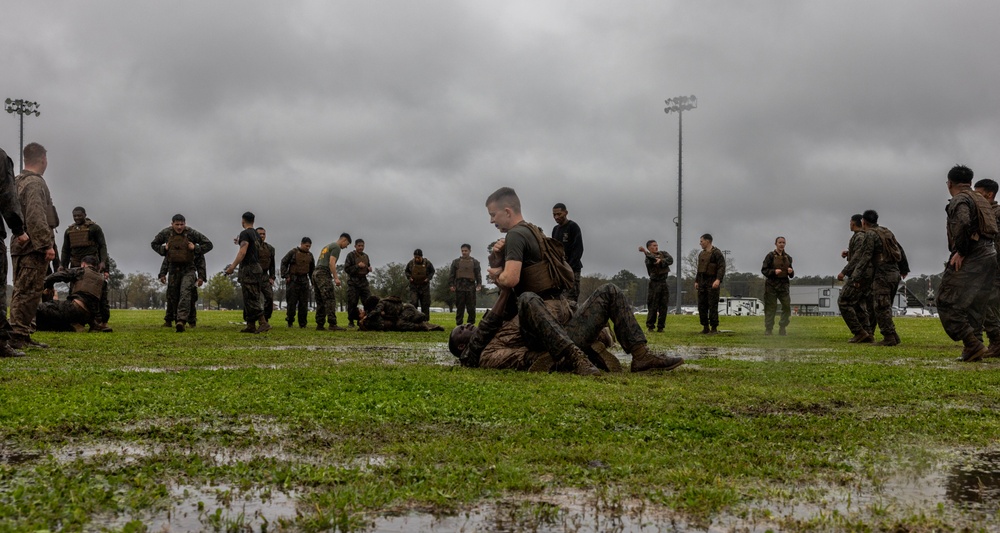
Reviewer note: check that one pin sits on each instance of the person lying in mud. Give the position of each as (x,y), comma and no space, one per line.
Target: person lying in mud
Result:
(528,339)
(83,305)
(391,314)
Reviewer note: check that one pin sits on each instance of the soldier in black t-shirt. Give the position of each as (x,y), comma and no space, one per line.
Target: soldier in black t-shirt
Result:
(250,277)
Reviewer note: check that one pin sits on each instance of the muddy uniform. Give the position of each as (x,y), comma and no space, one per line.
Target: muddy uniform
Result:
(711,267)
(357,282)
(182,268)
(420,276)
(889,265)
(658,294)
(80,241)
(464,276)
(267,261)
(571,237)
(202,270)
(40,219)
(10,208)
(991,320)
(326,292)
(82,307)
(776,288)
(860,270)
(965,293)
(391,314)
(297,268)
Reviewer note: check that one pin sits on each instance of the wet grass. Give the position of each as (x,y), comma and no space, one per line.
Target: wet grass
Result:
(802,433)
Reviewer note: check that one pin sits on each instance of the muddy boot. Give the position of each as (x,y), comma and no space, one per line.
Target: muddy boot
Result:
(715,329)
(180,327)
(334,327)
(543,363)
(781,331)
(974,349)
(7,351)
(251,327)
(97,327)
(264,326)
(320,327)
(167,324)
(861,336)
(602,358)
(578,362)
(994,349)
(643,360)
(78,328)
(889,340)
(705,330)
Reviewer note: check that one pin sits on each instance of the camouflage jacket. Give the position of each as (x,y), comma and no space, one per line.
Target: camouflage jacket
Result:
(465,284)
(859,257)
(39,214)
(10,206)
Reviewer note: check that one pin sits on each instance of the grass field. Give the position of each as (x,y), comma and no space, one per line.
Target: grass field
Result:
(297,429)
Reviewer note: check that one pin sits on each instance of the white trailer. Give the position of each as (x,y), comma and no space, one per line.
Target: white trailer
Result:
(740,307)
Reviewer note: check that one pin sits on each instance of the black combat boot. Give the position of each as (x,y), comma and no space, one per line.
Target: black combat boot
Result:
(705,330)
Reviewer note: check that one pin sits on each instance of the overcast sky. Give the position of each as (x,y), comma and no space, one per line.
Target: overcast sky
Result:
(394,120)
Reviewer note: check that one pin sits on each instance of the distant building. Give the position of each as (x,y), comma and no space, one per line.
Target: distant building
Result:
(817,300)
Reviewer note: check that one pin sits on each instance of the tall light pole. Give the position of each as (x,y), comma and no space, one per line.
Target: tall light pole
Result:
(679,105)
(21,107)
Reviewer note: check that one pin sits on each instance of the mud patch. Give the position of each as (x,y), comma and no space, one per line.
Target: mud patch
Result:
(436,354)
(753,355)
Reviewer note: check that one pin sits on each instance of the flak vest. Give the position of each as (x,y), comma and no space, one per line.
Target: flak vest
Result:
(79,236)
(781,261)
(177,250)
(362,258)
(300,265)
(659,272)
(466,268)
(92,284)
(264,257)
(419,273)
(706,267)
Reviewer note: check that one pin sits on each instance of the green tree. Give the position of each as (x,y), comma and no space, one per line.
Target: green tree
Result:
(219,289)
(142,290)
(116,284)
(628,283)
(441,291)
(390,280)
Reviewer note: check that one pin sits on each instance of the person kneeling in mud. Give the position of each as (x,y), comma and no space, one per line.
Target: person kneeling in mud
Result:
(391,314)
(527,340)
(83,305)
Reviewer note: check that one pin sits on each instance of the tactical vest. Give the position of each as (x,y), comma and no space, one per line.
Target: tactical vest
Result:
(362,258)
(79,236)
(92,283)
(177,249)
(988,228)
(706,266)
(419,273)
(780,261)
(300,265)
(889,251)
(551,271)
(658,272)
(466,268)
(264,255)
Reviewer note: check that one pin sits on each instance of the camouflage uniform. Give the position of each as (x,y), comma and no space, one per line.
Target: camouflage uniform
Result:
(991,320)
(464,276)
(326,292)
(357,282)
(857,289)
(658,293)
(202,270)
(29,258)
(420,284)
(297,268)
(267,265)
(711,267)
(251,276)
(10,208)
(92,243)
(82,307)
(965,293)
(391,314)
(776,288)
(885,281)
(182,272)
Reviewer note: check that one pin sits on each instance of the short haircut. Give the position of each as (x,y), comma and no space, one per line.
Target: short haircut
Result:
(560,205)
(779,237)
(988,185)
(856,219)
(248,216)
(957,174)
(418,252)
(870,216)
(306,240)
(466,247)
(261,228)
(84,211)
(178,218)
(707,237)
(345,236)
(359,241)
(34,153)
(505,197)
(90,260)
(649,242)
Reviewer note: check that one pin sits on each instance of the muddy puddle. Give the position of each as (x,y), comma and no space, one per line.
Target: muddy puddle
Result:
(754,355)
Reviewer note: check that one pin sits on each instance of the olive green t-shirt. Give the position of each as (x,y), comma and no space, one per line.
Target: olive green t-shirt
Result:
(324,256)
(521,245)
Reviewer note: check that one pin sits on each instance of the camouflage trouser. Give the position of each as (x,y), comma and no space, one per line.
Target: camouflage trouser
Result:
(267,297)
(964,294)
(326,298)
(60,315)
(708,303)
(4,325)
(991,320)
(253,301)
(356,292)
(657,303)
(420,297)
(171,314)
(884,289)
(853,303)
(465,302)
(29,282)
(297,298)
(182,290)
(775,292)
(542,331)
